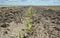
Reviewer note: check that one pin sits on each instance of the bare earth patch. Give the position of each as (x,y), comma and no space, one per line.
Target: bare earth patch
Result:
(45,22)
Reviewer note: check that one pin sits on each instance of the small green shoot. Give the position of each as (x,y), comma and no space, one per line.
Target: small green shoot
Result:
(28,26)
(28,19)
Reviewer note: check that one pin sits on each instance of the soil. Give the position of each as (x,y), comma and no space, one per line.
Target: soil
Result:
(45,22)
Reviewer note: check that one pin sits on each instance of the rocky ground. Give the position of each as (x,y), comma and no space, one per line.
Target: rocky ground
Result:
(45,22)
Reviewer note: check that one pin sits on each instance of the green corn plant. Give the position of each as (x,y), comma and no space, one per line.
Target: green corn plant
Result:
(28,19)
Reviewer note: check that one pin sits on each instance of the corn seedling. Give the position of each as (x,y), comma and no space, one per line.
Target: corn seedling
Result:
(28,19)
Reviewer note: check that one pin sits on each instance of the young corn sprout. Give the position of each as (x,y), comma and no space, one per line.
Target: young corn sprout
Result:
(28,19)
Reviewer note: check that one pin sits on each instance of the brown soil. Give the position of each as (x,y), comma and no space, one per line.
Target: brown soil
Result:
(45,22)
